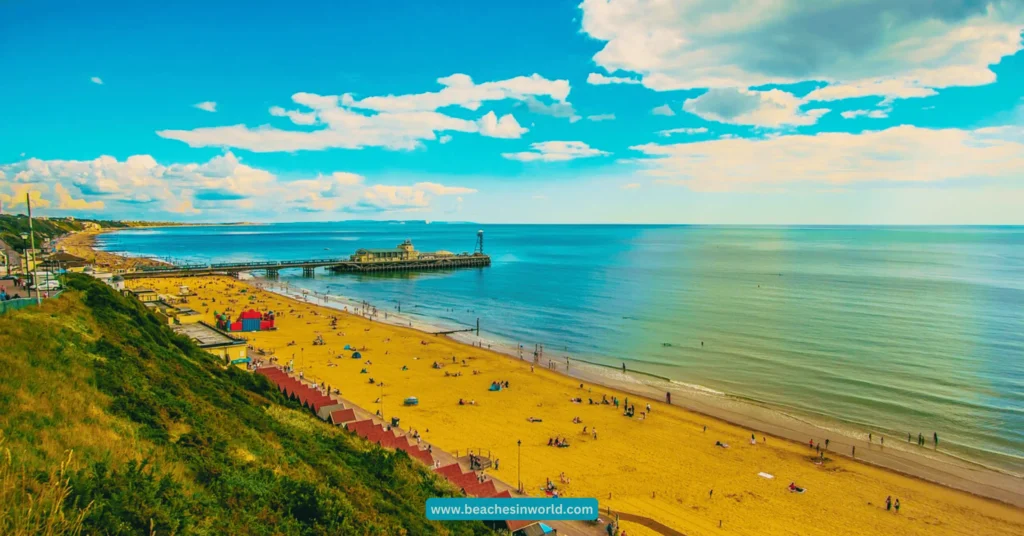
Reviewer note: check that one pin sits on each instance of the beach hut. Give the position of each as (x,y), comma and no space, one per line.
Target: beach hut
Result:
(357,355)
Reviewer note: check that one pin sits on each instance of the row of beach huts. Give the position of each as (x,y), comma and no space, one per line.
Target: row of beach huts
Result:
(335,413)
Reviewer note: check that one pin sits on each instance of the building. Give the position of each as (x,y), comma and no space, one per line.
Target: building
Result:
(186,315)
(227,348)
(163,310)
(144,295)
(67,262)
(404,252)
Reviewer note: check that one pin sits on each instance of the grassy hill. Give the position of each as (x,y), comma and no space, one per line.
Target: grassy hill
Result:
(112,424)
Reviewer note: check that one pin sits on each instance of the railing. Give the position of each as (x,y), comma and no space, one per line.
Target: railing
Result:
(21,303)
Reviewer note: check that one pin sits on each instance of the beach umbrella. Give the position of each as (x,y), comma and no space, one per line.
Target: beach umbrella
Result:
(356,355)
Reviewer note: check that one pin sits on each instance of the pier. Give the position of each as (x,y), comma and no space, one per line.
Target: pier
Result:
(402,258)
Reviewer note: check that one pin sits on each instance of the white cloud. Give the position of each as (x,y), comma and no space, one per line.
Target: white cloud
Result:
(773,108)
(444,139)
(506,127)
(400,122)
(664,109)
(460,90)
(898,154)
(297,117)
(222,183)
(601,117)
(671,131)
(555,109)
(598,79)
(892,49)
(66,202)
(208,106)
(96,80)
(555,151)
(873,114)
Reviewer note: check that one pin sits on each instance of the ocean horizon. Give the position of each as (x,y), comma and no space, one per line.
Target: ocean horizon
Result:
(892,330)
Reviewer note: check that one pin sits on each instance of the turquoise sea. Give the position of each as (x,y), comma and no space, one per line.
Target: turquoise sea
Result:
(894,330)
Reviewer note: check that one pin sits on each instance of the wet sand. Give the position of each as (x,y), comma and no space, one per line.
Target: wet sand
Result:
(663,467)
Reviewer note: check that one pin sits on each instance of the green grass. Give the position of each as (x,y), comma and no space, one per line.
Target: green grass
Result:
(166,441)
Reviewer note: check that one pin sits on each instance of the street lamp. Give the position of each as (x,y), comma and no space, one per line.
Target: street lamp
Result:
(382,401)
(519,464)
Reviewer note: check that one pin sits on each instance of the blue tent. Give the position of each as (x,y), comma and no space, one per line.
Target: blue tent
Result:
(357,355)
(348,347)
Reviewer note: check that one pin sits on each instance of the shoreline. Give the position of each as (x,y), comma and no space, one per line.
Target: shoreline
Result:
(660,466)
(932,466)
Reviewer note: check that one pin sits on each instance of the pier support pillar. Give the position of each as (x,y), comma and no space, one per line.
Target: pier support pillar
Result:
(272,273)
(308,271)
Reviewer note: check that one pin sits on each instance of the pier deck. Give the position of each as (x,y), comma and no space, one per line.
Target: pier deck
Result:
(272,268)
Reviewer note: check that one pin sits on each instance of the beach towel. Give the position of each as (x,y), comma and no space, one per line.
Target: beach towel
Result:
(765,475)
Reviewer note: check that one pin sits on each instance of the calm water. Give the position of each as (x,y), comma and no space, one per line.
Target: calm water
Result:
(893,330)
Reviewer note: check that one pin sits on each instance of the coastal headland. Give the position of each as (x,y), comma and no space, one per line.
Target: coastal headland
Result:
(666,465)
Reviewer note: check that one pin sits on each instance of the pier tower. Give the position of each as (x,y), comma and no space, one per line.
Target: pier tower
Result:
(479,250)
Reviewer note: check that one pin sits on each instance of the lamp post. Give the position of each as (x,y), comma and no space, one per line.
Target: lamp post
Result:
(382,401)
(519,465)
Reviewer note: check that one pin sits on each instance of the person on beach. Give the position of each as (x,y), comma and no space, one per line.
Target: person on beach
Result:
(936,437)
(888,503)
(826,444)
(869,437)
(623,367)
(897,505)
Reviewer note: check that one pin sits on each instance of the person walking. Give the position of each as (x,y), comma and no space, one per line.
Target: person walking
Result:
(897,505)
(888,503)
(936,436)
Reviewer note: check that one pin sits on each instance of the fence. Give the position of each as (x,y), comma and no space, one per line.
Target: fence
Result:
(20,303)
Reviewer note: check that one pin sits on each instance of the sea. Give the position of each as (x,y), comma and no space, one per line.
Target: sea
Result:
(889,330)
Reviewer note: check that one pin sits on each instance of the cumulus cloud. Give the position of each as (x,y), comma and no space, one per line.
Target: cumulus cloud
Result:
(66,202)
(601,117)
(460,90)
(395,122)
(297,117)
(208,106)
(223,182)
(773,108)
(892,49)
(898,154)
(671,131)
(555,151)
(598,79)
(506,127)
(444,139)
(554,109)
(96,80)
(873,114)
(664,109)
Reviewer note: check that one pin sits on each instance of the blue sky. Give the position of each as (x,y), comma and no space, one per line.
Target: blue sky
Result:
(601,111)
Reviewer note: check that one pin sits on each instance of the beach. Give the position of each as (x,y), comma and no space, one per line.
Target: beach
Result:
(665,466)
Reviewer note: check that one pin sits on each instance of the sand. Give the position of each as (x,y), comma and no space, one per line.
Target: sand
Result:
(662,467)
(81,245)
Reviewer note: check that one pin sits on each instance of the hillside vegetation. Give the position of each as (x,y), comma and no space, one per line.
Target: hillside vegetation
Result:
(13,225)
(112,424)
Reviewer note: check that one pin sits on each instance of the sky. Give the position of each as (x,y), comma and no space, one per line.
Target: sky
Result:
(600,111)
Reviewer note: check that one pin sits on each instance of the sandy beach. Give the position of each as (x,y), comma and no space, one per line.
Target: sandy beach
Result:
(665,466)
